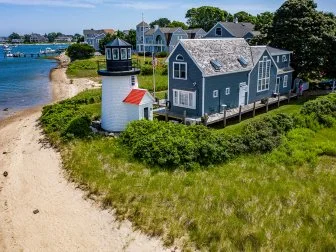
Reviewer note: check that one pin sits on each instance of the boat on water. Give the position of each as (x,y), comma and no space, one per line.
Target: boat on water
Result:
(6,48)
(18,55)
(9,54)
(48,50)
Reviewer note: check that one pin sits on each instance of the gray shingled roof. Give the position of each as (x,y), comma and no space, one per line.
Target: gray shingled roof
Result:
(276,51)
(150,31)
(169,29)
(227,51)
(194,30)
(257,51)
(142,24)
(239,30)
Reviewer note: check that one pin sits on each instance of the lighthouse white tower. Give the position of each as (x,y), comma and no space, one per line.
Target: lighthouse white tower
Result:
(122,100)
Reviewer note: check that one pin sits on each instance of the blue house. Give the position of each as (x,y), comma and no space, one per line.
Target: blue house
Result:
(206,75)
(232,30)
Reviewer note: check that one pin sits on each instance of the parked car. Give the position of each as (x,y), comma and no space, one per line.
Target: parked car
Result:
(326,84)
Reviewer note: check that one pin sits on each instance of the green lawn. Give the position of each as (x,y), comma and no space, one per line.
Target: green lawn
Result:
(88,69)
(283,200)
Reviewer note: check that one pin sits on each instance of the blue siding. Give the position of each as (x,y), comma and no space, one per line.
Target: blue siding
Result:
(281,64)
(248,36)
(283,90)
(212,32)
(254,95)
(220,83)
(176,37)
(194,75)
(160,47)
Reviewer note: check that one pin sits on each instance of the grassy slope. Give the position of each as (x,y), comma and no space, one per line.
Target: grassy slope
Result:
(277,201)
(88,69)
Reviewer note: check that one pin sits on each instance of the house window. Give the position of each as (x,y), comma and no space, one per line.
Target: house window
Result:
(278,59)
(285,81)
(180,71)
(264,74)
(179,57)
(227,91)
(215,93)
(185,99)
(284,58)
(115,53)
(129,53)
(123,53)
(218,31)
(108,53)
(133,81)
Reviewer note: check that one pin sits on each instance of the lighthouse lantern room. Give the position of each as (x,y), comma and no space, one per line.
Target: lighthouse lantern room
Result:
(122,100)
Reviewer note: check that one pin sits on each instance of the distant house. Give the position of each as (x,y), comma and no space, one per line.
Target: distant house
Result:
(160,39)
(3,39)
(38,38)
(232,30)
(206,75)
(64,39)
(92,37)
(17,41)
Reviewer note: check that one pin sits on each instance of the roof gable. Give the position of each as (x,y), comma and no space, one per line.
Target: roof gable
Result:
(239,30)
(136,96)
(276,51)
(226,51)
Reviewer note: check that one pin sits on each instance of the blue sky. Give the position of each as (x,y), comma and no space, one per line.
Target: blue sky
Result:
(72,16)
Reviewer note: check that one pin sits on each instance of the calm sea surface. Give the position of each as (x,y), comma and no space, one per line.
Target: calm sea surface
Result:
(24,82)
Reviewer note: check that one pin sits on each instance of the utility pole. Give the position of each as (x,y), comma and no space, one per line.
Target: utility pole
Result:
(143,37)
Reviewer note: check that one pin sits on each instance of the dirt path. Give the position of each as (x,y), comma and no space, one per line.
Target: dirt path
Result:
(65,221)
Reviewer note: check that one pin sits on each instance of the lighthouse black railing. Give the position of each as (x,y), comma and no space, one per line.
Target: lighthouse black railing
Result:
(101,64)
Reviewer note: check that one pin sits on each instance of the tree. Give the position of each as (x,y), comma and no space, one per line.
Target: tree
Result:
(245,17)
(14,36)
(178,24)
(108,38)
(205,17)
(80,51)
(299,27)
(26,38)
(131,37)
(161,22)
(264,21)
(51,37)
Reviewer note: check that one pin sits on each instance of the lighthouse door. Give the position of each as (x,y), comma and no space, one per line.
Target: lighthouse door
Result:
(146,115)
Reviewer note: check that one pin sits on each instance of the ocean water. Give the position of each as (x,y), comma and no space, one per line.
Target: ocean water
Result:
(24,82)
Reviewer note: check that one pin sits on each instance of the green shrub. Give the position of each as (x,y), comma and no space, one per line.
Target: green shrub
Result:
(80,51)
(79,126)
(164,70)
(146,70)
(162,54)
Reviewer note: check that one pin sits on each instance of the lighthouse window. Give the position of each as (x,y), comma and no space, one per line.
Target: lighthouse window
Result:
(108,53)
(129,53)
(115,53)
(123,53)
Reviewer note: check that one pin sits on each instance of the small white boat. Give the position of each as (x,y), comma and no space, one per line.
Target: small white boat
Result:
(9,54)
(47,50)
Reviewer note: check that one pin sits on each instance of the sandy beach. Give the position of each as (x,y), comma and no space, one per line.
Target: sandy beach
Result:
(39,209)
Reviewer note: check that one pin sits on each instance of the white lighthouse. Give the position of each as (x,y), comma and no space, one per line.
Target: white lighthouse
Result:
(122,100)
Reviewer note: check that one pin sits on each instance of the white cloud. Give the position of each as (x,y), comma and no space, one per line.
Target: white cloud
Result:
(52,3)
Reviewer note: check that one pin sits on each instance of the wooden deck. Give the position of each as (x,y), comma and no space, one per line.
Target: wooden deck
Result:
(226,114)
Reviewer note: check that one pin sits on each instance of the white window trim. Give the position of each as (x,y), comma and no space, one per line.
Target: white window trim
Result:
(264,75)
(125,54)
(284,58)
(221,32)
(108,53)
(129,51)
(179,55)
(115,49)
(278,59)
(186,70)
(227,91)
(215,94)
(285,81)
(177,102)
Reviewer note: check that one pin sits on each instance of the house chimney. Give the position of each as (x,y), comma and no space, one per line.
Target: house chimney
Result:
(236,20)
(156,27)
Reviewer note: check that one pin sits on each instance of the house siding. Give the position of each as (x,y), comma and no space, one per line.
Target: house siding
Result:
(175,38)
(281,64)
(283,90)
(194,75)
(220,83)
(212,32)
(248,36)
(160,47)
(254,95)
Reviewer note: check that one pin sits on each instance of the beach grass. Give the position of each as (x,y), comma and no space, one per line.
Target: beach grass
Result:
(283,200)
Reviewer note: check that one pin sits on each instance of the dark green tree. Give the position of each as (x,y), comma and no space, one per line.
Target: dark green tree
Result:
(108,38)
(80,51)
(264,21)
(26,38)
(51,37)
(161,22)
(299,27)
(131,37)
(245,17)
(178,24)
(205,17)
(14,36)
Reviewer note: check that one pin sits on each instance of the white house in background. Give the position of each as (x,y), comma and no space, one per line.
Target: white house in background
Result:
(122,100)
